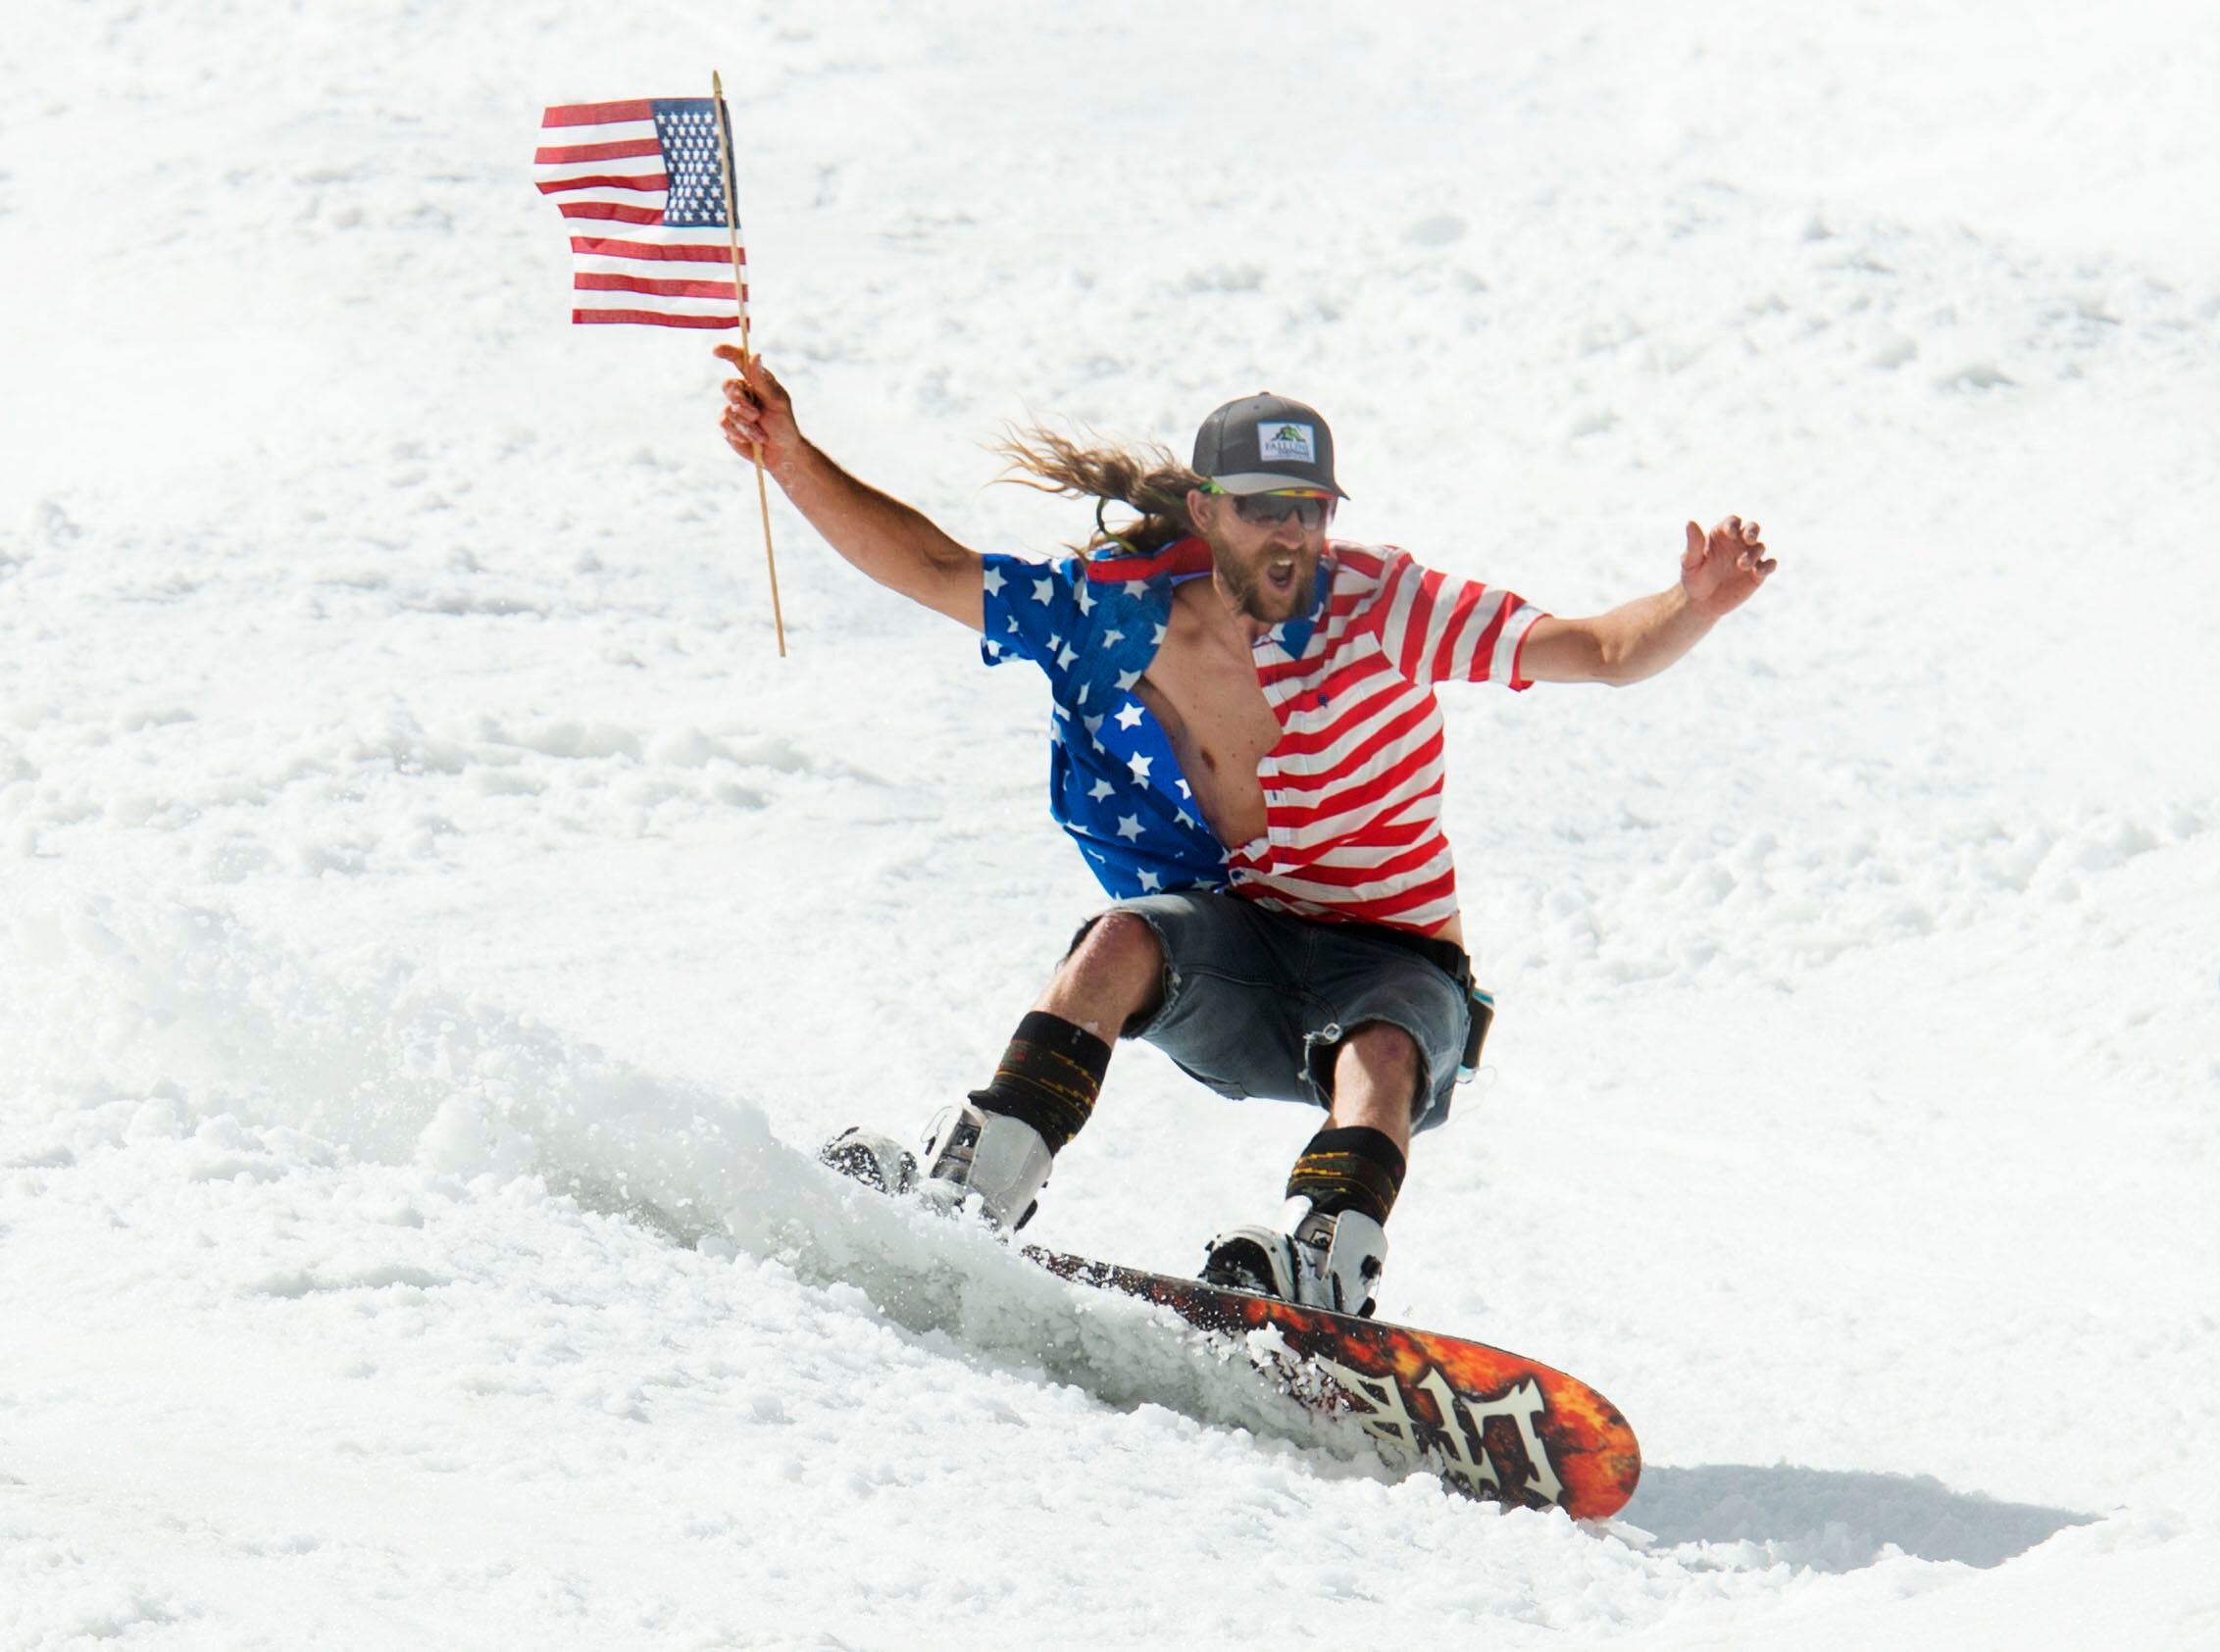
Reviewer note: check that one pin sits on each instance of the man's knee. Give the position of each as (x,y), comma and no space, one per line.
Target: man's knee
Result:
(1381,1047)
(1117,937)
(1121,950)
(1377,1059)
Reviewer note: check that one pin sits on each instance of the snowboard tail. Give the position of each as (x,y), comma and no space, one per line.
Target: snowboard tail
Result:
(1493,1425)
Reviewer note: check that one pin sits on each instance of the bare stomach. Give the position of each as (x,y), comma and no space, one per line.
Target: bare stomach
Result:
(1219,757)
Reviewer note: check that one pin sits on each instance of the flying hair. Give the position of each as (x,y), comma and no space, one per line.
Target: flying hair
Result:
(1145,479)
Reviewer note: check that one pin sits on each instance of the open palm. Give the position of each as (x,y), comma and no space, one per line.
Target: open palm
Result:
(1722,570)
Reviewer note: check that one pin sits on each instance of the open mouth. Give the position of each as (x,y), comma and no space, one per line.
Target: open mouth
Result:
(1280,575)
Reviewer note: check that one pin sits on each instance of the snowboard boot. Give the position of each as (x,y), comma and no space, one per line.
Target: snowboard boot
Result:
(1316,1260)
(967,1151)
(1002,1161)
(878,1162)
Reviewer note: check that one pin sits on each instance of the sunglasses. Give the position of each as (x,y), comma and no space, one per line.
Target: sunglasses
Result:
(1310,508)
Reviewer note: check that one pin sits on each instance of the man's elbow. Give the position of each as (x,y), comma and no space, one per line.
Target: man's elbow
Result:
(1583,651)
(1624,668)
(1616,666)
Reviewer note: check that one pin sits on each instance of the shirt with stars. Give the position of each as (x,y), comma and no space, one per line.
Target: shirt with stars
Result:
(1113,782)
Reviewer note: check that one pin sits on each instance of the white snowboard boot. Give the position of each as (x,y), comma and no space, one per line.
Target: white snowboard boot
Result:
(1002,1160)
(1319,1261)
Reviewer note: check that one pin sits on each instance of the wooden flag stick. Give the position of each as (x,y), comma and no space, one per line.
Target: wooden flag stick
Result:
(740,296)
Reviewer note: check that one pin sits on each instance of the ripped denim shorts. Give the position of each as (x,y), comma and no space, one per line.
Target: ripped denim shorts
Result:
(1256,1002)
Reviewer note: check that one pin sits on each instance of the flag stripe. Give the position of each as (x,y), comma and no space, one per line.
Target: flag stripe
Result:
(654,268)
(586,282)
(596,114)
(597,298)
(684,253)
(716,237)
(608,131)
(610,211)
(651,318)
(571,154)
(556,182)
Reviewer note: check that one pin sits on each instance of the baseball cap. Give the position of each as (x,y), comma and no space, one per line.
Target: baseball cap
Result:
(1265,442)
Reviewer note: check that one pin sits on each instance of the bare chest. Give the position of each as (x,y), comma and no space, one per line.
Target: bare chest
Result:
(1203,690)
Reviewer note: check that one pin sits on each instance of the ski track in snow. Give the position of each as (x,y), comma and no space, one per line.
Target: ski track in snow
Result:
(433,926)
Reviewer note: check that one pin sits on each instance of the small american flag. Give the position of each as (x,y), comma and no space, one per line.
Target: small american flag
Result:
(644,196)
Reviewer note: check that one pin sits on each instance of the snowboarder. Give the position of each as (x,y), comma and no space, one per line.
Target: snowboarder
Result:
(1247,751)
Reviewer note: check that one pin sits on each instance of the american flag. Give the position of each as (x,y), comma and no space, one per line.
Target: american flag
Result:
(640,186)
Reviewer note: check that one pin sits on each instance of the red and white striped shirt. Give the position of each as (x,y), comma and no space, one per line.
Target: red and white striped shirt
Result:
(1352,791)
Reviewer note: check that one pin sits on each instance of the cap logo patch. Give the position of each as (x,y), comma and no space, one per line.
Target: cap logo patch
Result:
(1288,441)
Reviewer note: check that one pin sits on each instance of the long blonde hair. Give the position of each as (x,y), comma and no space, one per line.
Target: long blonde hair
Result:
(1148,481)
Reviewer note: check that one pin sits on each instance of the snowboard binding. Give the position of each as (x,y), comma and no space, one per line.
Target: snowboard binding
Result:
(1311,1258)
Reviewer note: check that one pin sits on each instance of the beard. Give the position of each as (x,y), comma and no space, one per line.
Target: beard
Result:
(1256,594)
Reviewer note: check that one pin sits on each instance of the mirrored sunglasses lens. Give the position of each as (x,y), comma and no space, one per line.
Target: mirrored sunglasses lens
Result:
(1274,508)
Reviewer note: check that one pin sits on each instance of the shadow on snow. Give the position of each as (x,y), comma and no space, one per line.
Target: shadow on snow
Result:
(1837,1521)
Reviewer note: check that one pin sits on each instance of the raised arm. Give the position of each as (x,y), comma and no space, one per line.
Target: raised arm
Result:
(1719,572)
(896,545)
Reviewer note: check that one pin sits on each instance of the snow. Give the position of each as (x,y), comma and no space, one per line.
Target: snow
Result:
(436,928)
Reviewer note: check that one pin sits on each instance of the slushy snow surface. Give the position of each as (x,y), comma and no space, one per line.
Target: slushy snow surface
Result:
(436,928)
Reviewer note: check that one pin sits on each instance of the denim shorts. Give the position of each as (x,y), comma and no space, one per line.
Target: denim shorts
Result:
(1256,1002)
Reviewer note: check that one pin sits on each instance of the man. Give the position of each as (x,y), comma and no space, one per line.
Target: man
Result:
(1248,753)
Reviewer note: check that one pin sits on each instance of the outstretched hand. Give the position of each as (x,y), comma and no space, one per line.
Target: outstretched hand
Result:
(759,415)
(1722,570)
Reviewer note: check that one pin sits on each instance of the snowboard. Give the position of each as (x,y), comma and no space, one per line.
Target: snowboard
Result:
(1495,1426)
